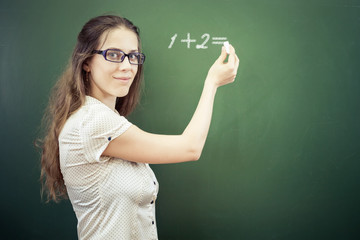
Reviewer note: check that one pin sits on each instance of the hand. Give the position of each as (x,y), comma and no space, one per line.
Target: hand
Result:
(221,72)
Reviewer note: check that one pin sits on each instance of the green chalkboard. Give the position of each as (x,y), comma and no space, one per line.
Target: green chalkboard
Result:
(282,159)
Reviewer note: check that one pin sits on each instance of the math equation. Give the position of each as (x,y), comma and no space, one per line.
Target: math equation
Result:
(203,43)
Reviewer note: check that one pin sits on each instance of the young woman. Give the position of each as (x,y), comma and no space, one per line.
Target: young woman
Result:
(93,155)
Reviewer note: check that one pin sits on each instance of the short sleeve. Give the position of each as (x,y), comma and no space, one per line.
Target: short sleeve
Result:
(99,126)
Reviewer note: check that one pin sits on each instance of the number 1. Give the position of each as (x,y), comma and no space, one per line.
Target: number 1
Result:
(172,40)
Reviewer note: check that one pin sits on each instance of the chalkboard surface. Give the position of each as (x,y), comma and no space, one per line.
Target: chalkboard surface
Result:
(282,159)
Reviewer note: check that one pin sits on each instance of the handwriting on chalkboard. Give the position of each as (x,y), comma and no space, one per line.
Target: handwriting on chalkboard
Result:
(204,42)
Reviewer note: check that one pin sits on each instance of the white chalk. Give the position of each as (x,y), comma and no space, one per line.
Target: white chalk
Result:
(227,47)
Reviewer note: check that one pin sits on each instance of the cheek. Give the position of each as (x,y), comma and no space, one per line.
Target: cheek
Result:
(135,70)
(99,70)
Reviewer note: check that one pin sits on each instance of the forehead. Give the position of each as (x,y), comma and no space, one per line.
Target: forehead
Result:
(121,38)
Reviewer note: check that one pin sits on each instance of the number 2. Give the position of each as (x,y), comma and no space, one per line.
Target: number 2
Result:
(202,46)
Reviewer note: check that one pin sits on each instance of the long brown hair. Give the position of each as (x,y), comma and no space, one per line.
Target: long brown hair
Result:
(69,93)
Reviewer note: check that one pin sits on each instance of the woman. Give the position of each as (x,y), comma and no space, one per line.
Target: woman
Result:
(93,155)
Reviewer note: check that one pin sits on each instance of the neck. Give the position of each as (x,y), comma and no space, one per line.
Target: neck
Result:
(109,101)
(106,98)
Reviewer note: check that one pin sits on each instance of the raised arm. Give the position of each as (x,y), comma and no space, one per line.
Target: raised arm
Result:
(139,146)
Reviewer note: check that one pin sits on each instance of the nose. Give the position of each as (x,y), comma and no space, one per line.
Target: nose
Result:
(125,64)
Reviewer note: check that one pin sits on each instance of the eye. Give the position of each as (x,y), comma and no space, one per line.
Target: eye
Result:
(134,57)
(114,55)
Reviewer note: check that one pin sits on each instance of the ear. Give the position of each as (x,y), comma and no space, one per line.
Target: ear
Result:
(86,67)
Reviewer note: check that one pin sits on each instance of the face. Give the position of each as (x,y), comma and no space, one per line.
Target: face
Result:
(109,80)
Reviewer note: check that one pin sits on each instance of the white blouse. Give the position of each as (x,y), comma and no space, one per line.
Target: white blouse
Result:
(112,198)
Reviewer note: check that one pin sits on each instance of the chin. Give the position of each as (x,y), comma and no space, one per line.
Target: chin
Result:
(122,94)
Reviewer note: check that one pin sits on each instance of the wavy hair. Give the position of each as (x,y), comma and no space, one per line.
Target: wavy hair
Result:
(68,95)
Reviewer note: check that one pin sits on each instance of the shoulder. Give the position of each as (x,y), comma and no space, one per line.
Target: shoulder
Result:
(99,118)
(94,107)
(94,118)
(94,110)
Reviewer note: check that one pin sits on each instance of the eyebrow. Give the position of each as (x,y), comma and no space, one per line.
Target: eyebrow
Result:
(131,51)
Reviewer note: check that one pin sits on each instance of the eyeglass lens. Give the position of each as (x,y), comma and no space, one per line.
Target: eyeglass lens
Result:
(119,56)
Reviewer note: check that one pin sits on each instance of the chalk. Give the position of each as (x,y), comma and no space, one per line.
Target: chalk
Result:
(227,47)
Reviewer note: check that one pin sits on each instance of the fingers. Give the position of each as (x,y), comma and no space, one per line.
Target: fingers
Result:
(233,61)
(223,55)
(232,56)
(221,72)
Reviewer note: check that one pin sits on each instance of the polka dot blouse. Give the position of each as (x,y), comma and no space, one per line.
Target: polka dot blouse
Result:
(112,198)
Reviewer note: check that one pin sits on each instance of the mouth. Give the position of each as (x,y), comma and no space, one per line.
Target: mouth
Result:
(125,79)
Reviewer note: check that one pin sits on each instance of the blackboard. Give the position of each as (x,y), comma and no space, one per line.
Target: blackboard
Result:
(282,157)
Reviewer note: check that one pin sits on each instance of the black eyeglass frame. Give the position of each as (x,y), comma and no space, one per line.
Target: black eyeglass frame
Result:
(103,53)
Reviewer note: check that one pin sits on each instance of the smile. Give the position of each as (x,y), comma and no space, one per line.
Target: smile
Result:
(122,78)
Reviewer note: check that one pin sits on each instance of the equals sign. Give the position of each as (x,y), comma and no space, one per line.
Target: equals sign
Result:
(218,40)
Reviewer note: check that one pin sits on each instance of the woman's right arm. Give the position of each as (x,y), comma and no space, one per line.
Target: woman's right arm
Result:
(137,145)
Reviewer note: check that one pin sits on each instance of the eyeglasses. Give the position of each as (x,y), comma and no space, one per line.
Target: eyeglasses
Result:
(118,56)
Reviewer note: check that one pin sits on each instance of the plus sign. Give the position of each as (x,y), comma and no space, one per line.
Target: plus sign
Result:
(188,40)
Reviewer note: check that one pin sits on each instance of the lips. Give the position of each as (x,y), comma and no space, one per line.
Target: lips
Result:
(122,78)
